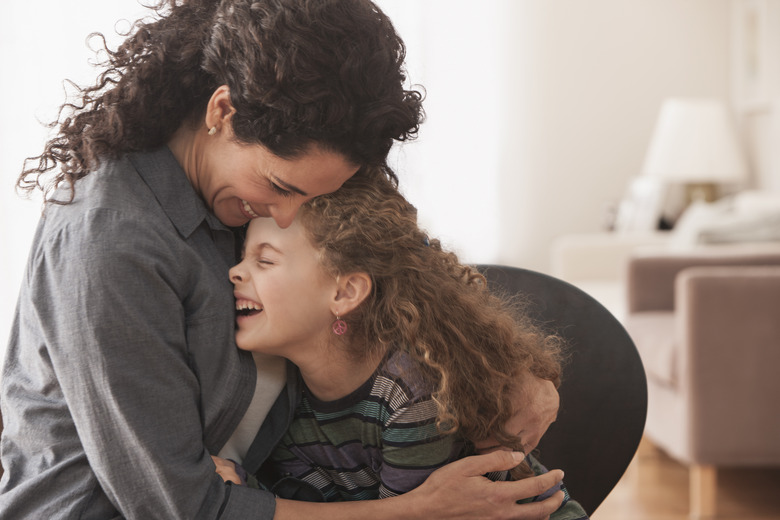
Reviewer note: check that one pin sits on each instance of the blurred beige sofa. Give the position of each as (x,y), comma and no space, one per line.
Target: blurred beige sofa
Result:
(596,262)
(707,326)
(702,304)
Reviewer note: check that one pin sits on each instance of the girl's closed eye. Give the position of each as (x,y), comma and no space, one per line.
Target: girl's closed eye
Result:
(264,261)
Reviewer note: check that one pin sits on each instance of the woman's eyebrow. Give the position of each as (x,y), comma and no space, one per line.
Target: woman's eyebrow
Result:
(288,186)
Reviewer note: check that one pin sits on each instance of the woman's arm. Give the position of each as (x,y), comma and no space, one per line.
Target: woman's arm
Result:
(536,403)
(456,491)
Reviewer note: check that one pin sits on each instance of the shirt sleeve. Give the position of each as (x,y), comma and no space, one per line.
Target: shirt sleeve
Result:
(108,295)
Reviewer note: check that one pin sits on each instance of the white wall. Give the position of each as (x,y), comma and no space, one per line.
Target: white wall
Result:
(451,171)
(41,43)
(539,111)
(756,87)
(548,105)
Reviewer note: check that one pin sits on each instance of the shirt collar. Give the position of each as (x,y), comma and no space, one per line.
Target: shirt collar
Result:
(165,177)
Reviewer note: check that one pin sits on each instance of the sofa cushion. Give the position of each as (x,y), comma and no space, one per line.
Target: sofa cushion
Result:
(653,334)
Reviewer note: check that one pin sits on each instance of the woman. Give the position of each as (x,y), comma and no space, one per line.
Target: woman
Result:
(121,375)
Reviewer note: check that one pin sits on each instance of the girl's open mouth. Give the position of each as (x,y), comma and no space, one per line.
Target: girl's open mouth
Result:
(248,308)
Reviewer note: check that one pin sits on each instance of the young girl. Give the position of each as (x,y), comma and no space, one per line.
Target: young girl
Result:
(402,352)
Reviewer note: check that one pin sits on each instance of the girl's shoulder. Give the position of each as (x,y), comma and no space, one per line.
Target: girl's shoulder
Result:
(399,381)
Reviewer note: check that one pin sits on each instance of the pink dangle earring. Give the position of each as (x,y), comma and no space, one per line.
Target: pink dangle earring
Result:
(339,326)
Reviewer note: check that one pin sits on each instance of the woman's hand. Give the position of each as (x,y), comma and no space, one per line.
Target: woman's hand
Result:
(459,490)
(227,470)
(536,405)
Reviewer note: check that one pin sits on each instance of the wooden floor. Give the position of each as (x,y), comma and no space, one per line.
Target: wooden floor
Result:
(655,487)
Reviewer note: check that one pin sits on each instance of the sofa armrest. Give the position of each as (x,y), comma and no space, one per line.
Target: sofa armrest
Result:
(727,316)
(650,275)
(597,256)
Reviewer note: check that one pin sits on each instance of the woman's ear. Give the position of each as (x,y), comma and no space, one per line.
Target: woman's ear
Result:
(219,109)
(352,290)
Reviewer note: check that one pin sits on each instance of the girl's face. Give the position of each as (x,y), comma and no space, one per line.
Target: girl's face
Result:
(241,182)
(282,292)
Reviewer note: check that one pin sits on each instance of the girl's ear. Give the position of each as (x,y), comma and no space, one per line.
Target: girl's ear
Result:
(352,290)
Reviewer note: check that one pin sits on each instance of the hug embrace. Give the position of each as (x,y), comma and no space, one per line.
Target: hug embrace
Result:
(246,141)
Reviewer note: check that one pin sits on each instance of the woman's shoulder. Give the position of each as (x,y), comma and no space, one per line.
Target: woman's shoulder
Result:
(134,180)
(121,211)
(114,185)
(135,191)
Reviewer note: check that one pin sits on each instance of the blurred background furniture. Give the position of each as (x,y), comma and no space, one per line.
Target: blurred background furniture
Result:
(707,326)
(702,304)
(695,145)
(595,263)
(603,393)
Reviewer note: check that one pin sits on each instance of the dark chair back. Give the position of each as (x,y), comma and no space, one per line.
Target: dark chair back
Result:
(603,392)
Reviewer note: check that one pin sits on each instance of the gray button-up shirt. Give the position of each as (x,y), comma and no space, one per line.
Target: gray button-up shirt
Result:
(122,374)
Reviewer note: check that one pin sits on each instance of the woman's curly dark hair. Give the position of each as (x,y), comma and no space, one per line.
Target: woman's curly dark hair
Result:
(473,344)
(300,72)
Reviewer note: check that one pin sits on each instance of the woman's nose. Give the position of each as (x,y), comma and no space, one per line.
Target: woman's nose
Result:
(284,214)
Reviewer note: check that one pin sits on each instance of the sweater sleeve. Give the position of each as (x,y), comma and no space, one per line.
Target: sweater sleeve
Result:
(413,448)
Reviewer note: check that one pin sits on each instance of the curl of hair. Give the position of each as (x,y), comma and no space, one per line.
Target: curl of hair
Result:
(474,345)
(300,72)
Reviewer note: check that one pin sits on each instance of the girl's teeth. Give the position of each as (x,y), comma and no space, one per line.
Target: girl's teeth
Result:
(242,306)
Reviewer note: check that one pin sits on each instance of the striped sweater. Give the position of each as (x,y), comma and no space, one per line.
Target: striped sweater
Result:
(379,441)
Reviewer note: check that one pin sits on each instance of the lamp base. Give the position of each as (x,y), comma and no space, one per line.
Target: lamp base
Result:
(700,192)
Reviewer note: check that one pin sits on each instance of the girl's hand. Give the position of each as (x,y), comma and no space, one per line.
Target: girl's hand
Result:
(227,470)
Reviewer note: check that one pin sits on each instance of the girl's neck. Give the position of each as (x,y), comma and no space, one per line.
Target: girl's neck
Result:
(335,374)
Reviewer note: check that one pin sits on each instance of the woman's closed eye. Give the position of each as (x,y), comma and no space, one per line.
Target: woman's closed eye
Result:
(280,191)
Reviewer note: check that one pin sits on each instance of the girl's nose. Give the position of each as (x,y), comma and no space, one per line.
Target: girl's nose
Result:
(235,274)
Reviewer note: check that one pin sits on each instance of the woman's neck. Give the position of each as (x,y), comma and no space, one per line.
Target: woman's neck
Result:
(335,374)
(183,144)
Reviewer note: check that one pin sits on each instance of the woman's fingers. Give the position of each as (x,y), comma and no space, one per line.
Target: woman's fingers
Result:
(462,485)
(500,460)
(539,510)
(226,469)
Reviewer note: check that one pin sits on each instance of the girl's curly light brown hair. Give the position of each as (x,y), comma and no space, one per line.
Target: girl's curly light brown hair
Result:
(300,72)
(474,345)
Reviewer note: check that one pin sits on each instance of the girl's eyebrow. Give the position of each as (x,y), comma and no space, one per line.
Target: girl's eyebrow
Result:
(259,247)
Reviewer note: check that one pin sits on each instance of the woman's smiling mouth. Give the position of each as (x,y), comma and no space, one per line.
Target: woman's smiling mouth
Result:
(247,209)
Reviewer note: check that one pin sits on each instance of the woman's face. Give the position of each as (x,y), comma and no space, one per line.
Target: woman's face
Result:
(283,294)
(240,182)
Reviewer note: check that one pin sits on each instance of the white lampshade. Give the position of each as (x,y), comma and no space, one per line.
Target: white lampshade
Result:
(695,142)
